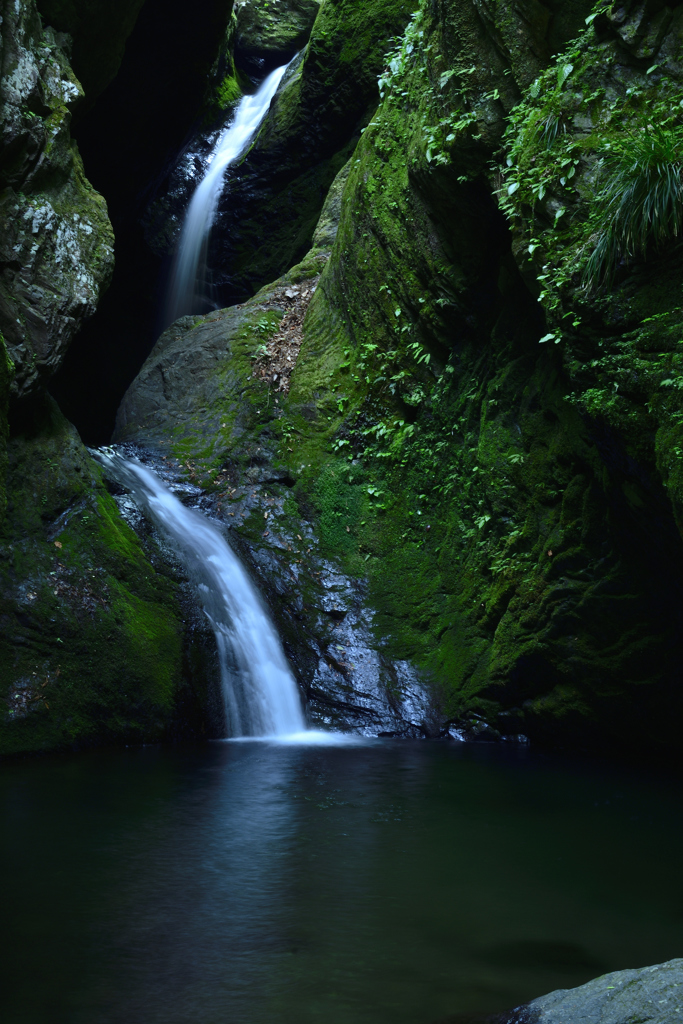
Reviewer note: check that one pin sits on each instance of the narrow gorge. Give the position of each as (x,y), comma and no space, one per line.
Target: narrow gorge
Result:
(340,409)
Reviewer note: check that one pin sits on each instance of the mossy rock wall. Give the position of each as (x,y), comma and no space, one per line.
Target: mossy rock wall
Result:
(619,340)
(532,595)
(269,33)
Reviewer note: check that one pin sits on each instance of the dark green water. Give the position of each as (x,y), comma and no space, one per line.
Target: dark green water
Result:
(394,882)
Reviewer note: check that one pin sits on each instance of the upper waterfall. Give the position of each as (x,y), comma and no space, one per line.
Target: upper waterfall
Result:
(186,288)
(259,691)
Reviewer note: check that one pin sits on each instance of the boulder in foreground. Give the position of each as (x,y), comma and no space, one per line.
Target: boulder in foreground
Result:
(651,995)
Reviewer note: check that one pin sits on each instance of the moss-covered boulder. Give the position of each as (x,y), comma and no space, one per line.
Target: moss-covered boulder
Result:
(269,32)
(56,239)
(90,641)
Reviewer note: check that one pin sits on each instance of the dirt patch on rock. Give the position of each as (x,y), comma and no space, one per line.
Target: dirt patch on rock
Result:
(276,363)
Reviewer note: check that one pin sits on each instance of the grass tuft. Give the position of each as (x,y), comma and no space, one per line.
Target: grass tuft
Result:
(640,200)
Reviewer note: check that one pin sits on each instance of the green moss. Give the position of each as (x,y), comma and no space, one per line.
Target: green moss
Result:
(363,32)
(228,92)
(584,108)
(226,84)
(525,593)
(153,646)
(91,644)
(275,32)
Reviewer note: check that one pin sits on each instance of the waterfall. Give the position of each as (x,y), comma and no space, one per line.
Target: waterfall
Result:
(259,692)
(189,267)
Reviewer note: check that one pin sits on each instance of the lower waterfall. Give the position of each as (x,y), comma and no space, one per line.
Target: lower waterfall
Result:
(260,694)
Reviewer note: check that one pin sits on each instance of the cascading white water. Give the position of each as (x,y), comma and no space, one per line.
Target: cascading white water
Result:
(260,695)
(187,277)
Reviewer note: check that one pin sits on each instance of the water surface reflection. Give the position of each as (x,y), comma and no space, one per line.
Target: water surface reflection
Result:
(261,882)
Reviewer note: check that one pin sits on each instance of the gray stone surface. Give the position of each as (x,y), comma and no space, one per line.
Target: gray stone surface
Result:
(651,995)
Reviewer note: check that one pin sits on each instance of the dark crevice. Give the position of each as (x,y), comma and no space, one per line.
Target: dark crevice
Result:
(126,140)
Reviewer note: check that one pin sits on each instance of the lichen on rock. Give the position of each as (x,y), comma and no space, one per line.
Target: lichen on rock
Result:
(57,243)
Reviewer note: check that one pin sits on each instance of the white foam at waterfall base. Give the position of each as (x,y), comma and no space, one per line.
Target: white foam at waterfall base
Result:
(260,694)
(311,738)
(186,289)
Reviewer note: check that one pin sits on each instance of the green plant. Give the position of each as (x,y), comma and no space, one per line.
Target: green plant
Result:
(264,326)
(640,201)
(398,58)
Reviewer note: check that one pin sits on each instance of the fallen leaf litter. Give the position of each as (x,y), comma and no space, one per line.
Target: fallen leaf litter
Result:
(276,364)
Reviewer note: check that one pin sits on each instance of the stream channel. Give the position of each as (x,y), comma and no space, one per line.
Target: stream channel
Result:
(367,882)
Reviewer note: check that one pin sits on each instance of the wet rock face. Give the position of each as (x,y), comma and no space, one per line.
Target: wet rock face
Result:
(56,240)
(326,625)
(269,32)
